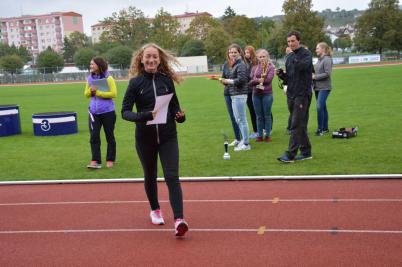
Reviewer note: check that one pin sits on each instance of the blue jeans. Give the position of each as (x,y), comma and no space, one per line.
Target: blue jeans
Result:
(236,129)
(322,112)
(262,107)
(239,103)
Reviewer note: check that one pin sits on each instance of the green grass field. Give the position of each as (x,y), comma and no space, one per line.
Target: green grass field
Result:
(370,98)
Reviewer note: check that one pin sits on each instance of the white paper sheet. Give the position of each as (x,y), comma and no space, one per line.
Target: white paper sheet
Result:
(161,108)
(101,84)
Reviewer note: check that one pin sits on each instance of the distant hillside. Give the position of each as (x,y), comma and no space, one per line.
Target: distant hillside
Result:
(335,18)
(340,17)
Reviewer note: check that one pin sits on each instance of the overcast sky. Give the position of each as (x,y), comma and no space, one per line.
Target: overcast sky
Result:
(93,11)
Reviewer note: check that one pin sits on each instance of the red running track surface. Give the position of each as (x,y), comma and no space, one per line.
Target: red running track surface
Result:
(243,223)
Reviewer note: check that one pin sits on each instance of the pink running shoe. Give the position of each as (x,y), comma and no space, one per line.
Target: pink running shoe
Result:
(181,227)
(109,164)
(156,217)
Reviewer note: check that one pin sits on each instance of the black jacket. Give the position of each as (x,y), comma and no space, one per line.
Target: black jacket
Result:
(299,70)
(238,73)
(141,91)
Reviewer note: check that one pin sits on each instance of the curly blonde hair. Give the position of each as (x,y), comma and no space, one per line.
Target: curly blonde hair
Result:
(167,60)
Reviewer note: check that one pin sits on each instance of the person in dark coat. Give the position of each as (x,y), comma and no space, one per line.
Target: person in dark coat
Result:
(298,78)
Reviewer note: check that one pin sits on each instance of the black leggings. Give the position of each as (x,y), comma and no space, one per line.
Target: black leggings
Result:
(252,111)
(96,121)
(169,156)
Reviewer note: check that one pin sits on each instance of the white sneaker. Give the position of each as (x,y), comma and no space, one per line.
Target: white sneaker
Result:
(234,143)
(242,147)
(156,217)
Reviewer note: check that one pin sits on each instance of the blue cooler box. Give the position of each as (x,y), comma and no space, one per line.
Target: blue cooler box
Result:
(9,120)
(54,123)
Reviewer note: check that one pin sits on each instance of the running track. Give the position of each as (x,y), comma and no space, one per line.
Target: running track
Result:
(232,223)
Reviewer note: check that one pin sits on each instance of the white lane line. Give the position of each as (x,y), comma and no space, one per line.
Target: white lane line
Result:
(253,230)
(276,200)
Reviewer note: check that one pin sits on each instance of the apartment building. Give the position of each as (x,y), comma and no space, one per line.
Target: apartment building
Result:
(37,32)
(184,21)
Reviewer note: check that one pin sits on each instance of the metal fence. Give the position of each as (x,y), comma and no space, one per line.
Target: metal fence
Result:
(32,75)
(7,78)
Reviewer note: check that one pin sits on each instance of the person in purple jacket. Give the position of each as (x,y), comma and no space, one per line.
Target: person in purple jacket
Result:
(101,89)
(261,80)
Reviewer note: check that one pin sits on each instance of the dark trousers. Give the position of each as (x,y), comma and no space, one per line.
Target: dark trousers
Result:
(96,121)
(299,112)
(169,157)
(252,111)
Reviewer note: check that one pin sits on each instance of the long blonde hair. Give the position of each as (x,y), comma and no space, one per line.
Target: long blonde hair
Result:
(326,47)
(264,51)
(166,61)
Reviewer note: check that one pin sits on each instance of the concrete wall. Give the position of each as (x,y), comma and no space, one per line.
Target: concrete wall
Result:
(197,64)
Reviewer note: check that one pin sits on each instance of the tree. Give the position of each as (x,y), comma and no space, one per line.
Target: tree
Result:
(104,45)
(72,42)
(379,27)
(216,45)
(6,50)
(277,41)
(229,12)
(120,55)
(78,39)
(241,27)
(11,63)
(343,42)
(49,61)
(200,26)
(300,17)
(182,39)
(264,28)
(193,48)
(127,27)
(83,57)
(23,52)
(165,30)
(68,50)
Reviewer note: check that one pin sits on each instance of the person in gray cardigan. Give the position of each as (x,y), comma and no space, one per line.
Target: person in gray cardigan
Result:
(322,85)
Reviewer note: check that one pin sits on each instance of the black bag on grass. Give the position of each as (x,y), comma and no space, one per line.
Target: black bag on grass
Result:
(345,133)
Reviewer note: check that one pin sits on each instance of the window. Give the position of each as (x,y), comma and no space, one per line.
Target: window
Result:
(75,20)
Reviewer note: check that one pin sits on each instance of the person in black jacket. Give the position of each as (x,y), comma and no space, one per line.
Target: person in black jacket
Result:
(234,77)
(152,76)
(298,77)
